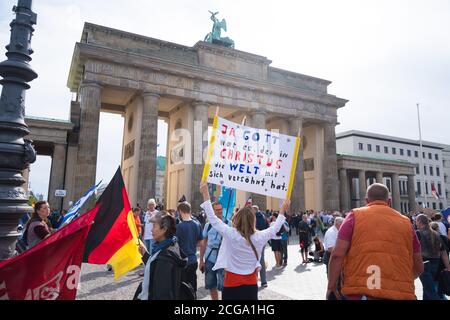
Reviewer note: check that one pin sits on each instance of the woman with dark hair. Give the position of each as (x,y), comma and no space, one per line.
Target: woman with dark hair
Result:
(241,248)
(318,250)
(38,227)
(162,275)
(432,252)
(304,238)
(442,267)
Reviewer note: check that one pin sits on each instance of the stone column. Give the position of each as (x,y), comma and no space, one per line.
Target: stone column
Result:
(148,147)
(330,178)
(199,146)
(411,193)
(395,192)
(259,122)
(57,176)
(90,102)
(362,187)
(379,176)
(298,189)
(344,192)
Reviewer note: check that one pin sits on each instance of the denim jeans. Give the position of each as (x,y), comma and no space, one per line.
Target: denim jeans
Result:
(430,286)
(262,272)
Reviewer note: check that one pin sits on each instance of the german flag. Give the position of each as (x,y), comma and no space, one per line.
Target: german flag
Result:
(113,237)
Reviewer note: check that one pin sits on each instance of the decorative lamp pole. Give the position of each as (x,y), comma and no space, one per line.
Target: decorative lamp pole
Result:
(16,153)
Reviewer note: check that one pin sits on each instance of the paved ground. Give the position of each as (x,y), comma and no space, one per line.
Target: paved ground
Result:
(296,281)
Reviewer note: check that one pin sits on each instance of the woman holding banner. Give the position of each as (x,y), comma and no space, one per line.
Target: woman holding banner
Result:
(242,246)
(38,227)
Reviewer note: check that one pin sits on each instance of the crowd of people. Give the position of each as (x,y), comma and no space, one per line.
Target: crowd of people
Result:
(351,245)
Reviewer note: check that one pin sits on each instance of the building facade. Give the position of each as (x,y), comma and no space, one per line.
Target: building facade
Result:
(146,79)
(428,162)
(446,169)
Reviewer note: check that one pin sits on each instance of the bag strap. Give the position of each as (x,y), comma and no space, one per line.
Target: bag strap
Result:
(254,249)
(212,249)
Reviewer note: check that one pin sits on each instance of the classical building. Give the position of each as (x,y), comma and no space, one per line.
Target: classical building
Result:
(145,79)
(356,173)
(55,138)
(428,164)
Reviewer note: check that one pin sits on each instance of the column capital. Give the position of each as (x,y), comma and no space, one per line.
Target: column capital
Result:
(294,119)
(258,111)
(200,103)
(330,124)
(150,94)
(90,83)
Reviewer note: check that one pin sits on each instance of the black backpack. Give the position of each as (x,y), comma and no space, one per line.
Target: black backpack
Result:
(187,292)
(282,230)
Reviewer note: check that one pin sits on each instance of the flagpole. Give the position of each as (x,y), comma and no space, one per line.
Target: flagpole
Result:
(244,120)
(421,158)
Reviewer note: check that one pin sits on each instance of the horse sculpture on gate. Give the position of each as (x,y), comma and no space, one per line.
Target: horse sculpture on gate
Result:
(214,35)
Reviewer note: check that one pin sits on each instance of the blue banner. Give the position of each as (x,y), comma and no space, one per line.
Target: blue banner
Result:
(73,211)
(446,213)
(228,200)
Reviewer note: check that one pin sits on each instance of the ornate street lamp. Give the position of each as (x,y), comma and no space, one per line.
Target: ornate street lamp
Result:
(16,153)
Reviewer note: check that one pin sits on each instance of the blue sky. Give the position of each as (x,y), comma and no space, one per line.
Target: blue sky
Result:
(383,56)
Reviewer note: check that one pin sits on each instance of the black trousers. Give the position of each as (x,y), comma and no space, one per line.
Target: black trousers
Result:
(284,251)
(326,259)
(245,292)
(189,275)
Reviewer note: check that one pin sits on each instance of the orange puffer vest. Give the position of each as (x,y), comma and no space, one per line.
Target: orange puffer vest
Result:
(379,263)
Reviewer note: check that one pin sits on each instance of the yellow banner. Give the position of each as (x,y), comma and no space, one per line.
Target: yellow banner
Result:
(294,165)
(210,150)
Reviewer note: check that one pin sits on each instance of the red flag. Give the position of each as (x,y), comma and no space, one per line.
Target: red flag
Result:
(48,271)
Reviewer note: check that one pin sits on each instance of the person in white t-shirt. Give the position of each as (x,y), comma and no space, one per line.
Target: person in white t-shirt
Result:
(276,244)
(329,240)
(442,229)
(151,211)
(241,248)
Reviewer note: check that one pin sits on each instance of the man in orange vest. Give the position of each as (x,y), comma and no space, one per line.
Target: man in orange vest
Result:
(377,252)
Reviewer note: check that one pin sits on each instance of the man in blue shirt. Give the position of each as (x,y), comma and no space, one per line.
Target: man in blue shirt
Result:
(210,249)
(189,234)
(261,224)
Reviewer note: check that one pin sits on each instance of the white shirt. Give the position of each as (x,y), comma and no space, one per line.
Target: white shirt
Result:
(148,225)
(275,237)
(236,254)
(442,229)
(330,238)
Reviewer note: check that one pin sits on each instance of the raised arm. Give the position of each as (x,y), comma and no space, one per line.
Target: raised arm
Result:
(217,224)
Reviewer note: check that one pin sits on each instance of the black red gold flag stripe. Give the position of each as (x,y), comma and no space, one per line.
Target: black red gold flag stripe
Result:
(113,237)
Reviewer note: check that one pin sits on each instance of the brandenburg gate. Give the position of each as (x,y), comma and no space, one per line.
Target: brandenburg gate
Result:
(145,79)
